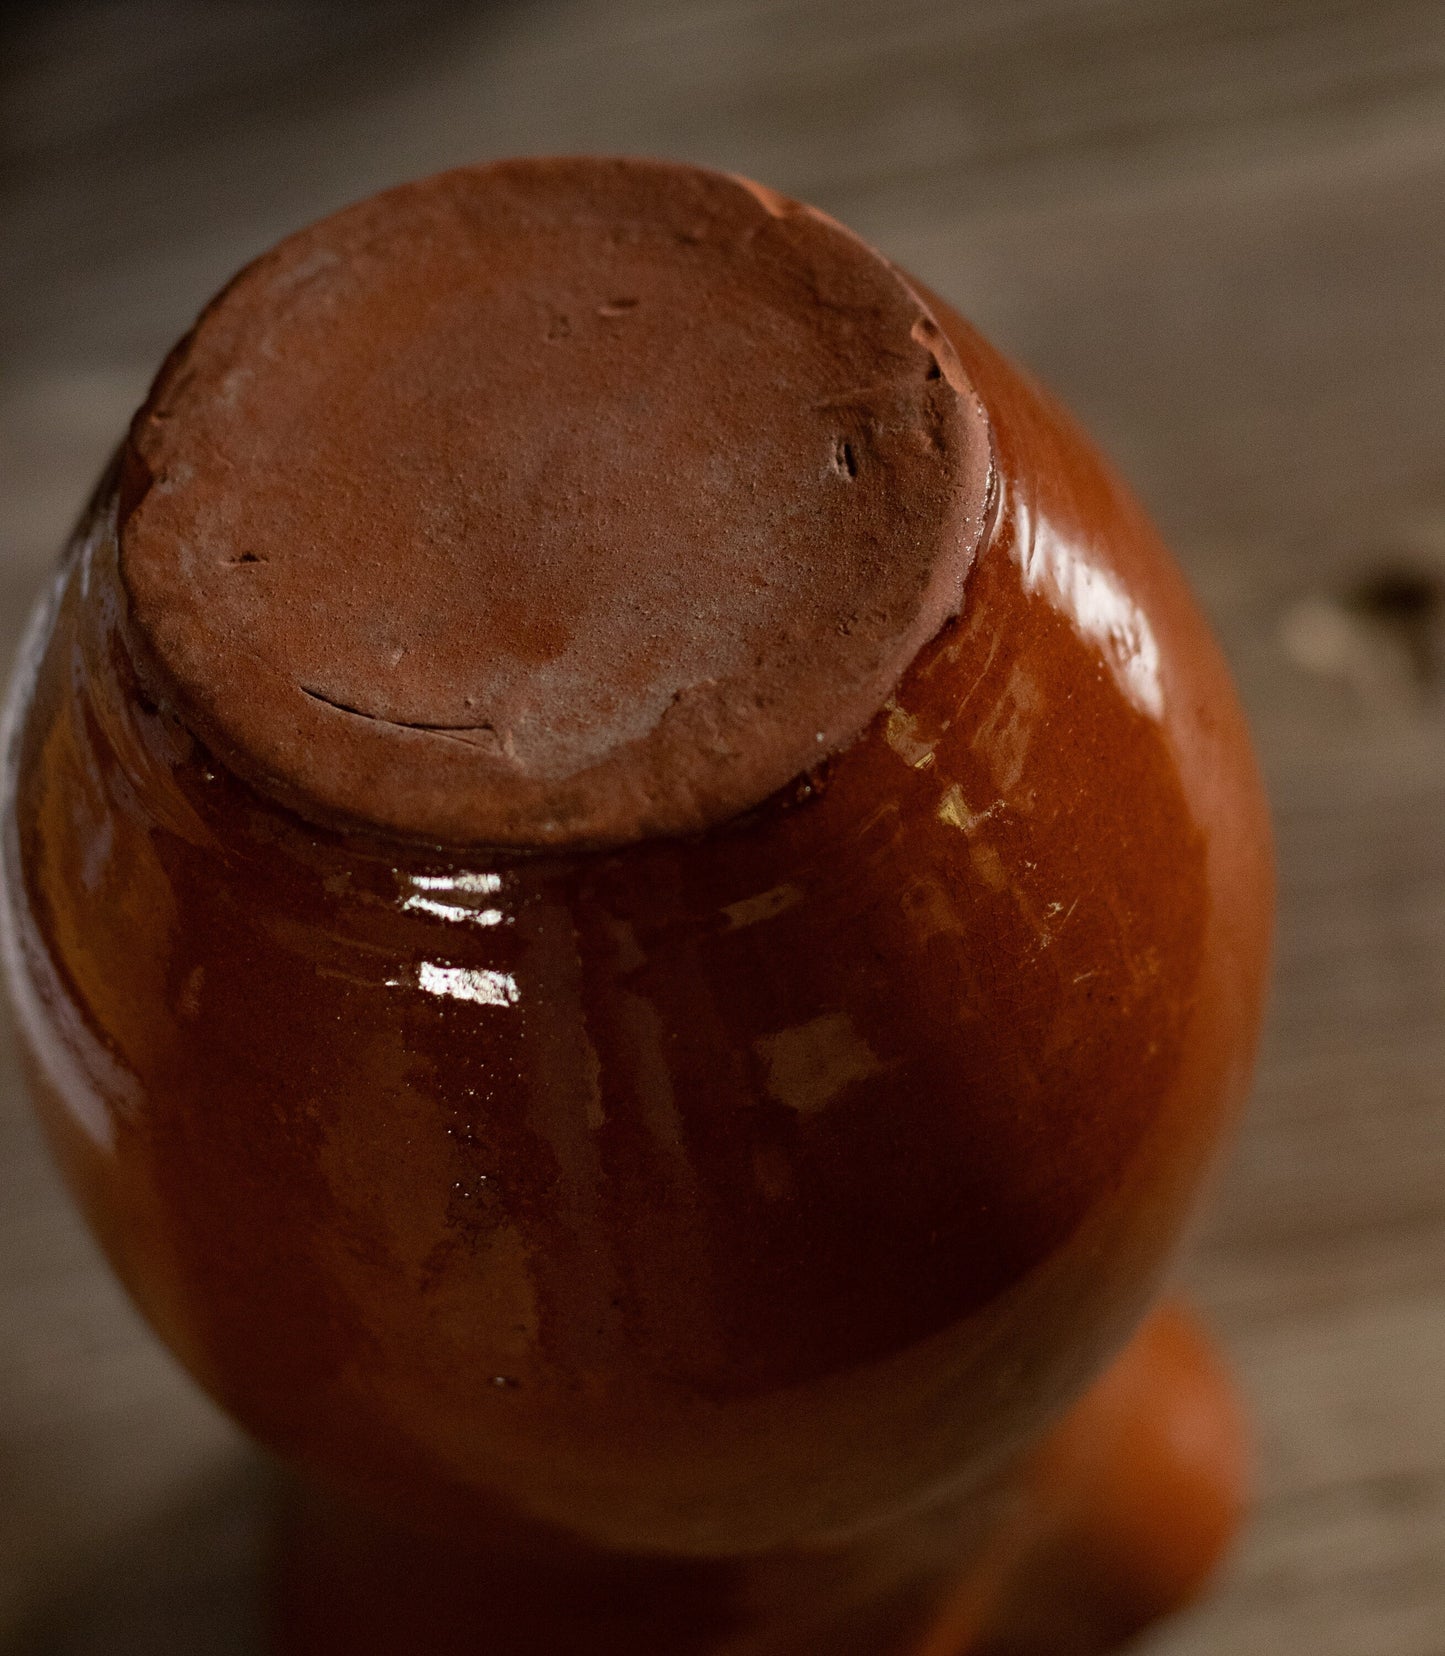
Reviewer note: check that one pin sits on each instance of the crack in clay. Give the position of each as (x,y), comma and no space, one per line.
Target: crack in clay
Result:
(455,732)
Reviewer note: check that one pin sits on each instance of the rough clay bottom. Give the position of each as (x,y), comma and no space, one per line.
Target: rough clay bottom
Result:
(550,503)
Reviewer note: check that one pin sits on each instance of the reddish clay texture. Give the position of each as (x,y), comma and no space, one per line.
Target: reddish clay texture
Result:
(691,1239)
(555,502)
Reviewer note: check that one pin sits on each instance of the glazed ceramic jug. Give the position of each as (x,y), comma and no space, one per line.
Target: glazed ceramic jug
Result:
(638,902)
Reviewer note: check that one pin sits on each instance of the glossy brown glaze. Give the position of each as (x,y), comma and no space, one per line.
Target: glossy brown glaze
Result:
(726,1213)
(1120,1517)
(1123,1513)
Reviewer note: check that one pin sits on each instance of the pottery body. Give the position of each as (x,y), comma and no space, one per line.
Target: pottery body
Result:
(708,1227)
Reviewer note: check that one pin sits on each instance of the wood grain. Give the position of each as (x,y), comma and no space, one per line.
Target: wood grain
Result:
(1218,229)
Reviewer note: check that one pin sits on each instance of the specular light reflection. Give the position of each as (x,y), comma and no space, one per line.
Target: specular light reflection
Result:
(455,885)
(1098,605)
(481,984)
(454,897)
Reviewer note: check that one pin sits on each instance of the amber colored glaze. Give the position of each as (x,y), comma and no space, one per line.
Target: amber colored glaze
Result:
(696,1238)
(1120,1517)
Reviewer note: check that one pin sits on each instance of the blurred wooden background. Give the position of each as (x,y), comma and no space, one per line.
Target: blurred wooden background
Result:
(1218,228)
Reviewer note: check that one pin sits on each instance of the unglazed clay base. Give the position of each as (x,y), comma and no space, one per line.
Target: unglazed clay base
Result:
(638,903)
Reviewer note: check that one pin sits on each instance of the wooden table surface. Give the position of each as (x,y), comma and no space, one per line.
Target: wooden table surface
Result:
(1218,228)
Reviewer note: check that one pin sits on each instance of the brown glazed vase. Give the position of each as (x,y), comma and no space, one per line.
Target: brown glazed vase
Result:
(663,1186)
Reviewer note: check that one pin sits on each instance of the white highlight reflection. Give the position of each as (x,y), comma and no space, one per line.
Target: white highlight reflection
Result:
(482,884)
(454,911)
(468,983)
(450,897)
(1097,604)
